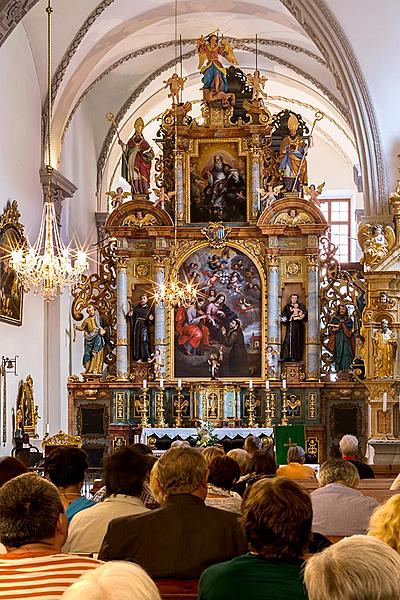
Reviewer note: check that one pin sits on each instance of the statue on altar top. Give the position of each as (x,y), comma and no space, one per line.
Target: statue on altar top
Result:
(136,160)
(214,74)
(292,158)
(376,241)
(385,345)
(257,82)
(175,84)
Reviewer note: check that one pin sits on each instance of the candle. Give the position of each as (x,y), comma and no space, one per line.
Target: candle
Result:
(144,384)
(284,384)
(47,429)
(250,384)
(179,383)
(384,401)
(267,385)
(161,383)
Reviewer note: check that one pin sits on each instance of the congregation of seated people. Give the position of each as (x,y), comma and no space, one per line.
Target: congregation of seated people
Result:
(203,523)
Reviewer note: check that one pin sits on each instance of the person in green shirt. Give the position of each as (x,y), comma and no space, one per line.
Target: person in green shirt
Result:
(277,518)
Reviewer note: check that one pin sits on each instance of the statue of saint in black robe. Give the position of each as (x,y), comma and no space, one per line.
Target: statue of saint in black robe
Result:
(294,316)
(141,318)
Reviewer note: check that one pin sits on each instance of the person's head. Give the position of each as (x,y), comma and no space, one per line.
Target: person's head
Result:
(31,512)
(224,472)
(66,466)
(10,467)
(213,39)
(220,299)
(252,444)
(218,162)
(356,568)
(90,310)
(342,310)
(384,325)
(114,581)
(143,448)
(292,212)
(348,445)
(294,298)
(242,458)
(312,187)
(124,472)
(296,454)
(263,463)
(180,444)
(143,299)
(139,126)
(235,324)
(179,471)
(385,523)
(277,517)
(210,452)
(119,190)
(336,470)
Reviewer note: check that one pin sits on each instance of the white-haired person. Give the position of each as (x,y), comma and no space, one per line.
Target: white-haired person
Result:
(242,457)
(348,447)
(114,581)
(296,469)
(338,507)
(356,568)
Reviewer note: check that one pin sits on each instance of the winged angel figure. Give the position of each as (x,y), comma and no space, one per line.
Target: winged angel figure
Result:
(117,197)
(376,242)
(140,220)
(293,217)
(313,192)
(209,50)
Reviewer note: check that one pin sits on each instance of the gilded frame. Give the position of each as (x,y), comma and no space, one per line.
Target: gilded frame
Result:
(194,153)
(11,290)
(254,250)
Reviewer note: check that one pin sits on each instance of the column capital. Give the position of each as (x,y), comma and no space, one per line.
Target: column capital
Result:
(312,261)
(122,262)
(272,261)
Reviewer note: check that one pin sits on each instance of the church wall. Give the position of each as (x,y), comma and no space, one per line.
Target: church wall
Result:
(19,180)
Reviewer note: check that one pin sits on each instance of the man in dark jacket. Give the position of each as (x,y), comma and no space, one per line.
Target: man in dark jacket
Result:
(184,536)
(348,447)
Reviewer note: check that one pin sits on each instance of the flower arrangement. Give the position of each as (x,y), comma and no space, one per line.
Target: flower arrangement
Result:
(206,435)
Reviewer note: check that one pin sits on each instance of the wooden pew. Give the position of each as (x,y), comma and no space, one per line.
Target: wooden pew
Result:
(177,589)
(385,471)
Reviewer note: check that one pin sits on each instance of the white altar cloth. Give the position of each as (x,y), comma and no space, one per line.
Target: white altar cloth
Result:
(220,432)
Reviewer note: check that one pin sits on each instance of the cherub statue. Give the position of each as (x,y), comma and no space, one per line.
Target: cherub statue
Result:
(312,192)
(271,361)
(175,84)
(117,197)
(140,220)
(376,242)
(162,197)
(293,217)
(257,81)
(156,363)
(267,197)
(214,363)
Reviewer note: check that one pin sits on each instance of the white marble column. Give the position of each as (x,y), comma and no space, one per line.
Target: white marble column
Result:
(255,208)
(122,325)
(273,312)
(313,328)
(160,316)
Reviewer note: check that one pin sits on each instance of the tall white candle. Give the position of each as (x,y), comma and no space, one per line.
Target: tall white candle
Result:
(384,401)
(161,383)
(267,385)
(144,384)
(284,384)
(179,383)
(250,384)
(47,428)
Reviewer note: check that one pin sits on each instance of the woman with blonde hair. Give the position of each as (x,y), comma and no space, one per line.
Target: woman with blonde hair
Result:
(210,452)
(384,523)
(114,581)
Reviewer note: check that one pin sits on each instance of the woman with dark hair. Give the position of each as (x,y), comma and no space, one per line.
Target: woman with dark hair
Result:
(224,472)
(263,465)
(66,467)
(10,467)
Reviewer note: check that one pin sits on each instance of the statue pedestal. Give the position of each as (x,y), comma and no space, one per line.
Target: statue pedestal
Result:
(387,452)
(91,377)
(293,372)
(139,371)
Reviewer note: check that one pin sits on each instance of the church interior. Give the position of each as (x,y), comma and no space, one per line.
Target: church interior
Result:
(200,227)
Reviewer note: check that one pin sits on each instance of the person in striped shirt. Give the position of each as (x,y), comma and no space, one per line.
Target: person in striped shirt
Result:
(33,528)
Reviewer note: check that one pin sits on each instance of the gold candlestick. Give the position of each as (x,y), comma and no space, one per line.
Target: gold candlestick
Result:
(284,419)
(144,408)
(160,410)
(251,404)
(268,419)
(181,405)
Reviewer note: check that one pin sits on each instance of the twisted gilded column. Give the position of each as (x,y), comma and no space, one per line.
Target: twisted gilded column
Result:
(122,325)
(179,188)
(255,209)
(273,302)
(160,317)
(313,341)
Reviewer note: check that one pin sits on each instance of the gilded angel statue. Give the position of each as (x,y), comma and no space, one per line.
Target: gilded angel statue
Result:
(117,197)
(257,82)
(140,220)
(293,217)
(175,84)
(376,242)
(313,192)
(214,74)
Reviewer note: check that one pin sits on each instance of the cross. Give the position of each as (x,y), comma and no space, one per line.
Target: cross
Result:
(290,443)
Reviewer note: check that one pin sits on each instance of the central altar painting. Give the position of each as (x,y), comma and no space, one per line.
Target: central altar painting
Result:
(220,336)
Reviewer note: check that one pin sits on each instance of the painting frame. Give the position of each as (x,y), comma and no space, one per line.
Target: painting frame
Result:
(257,377)
(202,152)
(11,289)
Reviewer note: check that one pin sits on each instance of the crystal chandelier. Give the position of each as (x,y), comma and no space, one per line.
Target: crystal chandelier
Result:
(48,266)
(175,293)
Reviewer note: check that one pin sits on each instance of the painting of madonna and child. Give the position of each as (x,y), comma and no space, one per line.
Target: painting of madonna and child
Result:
(220,336)
(218,183)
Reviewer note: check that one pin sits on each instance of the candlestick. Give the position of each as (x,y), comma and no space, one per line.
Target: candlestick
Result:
(284,419)
(251,403)
(160,410)
(144,406)
(268,420)
(181,405)
(385,397)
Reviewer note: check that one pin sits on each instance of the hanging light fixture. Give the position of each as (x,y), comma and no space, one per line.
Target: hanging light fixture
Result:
(174,292)
(48,266)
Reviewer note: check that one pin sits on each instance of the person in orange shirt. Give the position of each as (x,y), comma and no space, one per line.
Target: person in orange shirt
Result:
(296,469)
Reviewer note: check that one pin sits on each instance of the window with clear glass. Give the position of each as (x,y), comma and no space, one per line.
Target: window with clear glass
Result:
(337,213)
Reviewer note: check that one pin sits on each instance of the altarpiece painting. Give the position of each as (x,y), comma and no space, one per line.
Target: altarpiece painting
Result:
(11,291)
(225,325)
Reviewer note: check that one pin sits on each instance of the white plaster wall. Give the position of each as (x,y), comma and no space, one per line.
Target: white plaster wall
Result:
(372,28)
(19,180)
